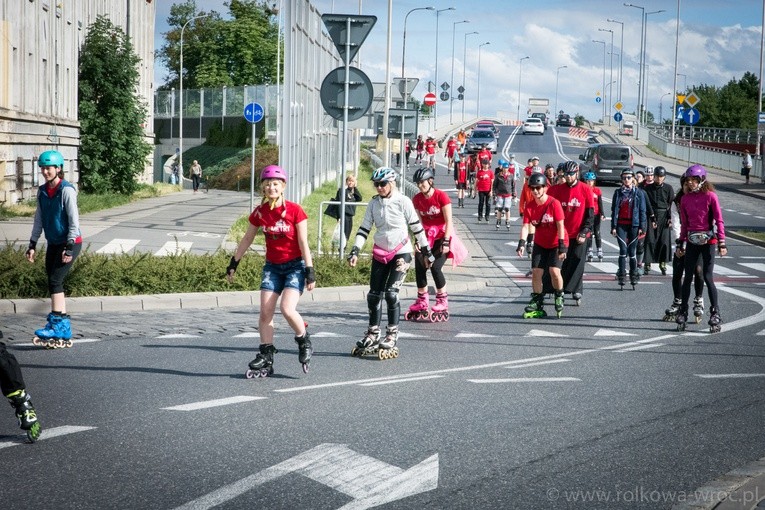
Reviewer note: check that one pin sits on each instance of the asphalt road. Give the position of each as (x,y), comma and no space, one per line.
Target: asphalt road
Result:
(608,407)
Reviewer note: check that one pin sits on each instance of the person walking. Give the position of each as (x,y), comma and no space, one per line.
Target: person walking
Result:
(658,243)
(393,216)
(352,195)
(288,269)
(483,181)
(702,233)
(545,214)
(58,218)
(628,224)
(746,165)
(13,387)
(196,175)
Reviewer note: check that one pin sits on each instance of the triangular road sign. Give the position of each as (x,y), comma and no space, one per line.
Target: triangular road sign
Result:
(337,25)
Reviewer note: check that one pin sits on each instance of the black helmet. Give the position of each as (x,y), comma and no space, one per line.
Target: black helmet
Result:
(537,179)
(422,174)
(549,165)
(561,166)
(660,171)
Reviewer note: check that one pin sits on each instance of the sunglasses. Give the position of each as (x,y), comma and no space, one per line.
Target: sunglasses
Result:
(536,188)
(626,177)
(381,184)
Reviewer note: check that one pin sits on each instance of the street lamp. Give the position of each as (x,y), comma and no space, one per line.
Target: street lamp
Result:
(557,76)
(604,77)
(621,56)
(640,69)
(520,73)
(645,60)
(403,53)
(464,58)
(180,102)
(451,102)
(611,74)
(478,99)
(435,106)
(661,106)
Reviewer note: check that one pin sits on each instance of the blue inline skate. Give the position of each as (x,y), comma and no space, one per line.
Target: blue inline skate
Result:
(57,333)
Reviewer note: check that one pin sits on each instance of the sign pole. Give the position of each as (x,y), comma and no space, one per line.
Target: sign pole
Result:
(252,171)
(344,151)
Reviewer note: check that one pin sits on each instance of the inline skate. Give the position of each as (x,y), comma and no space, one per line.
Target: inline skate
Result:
(681,318)
(263,364)
(559,303)
(25,413)
(577,298)
(620,279)
(589,255)
(499,223)
(663,268)
(698,308)
(440,310)
(634,279)
(600,254)
(671,313)
(369,344)
(419,309)
(535,308)
(387,347)
(714,320)
(305,350)
(56,334)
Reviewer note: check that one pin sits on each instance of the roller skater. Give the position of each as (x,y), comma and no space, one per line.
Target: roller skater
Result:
(418,311)
(559,304)
(536,307)
(263,364)
(698,308)
(598,216)
(287,271)
(393,215)
(714,320)
(503,188)
(671,313)
(658,242)
(628,224)
(440,310)
(58,218)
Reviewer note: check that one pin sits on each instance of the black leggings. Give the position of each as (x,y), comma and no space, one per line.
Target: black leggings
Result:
(10,372)
(678,269)
(55,268)
(483,199)
(421,274)
(707,254)
(384,282)
(595,234)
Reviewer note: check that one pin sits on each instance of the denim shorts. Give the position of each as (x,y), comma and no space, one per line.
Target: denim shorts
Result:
(290,275)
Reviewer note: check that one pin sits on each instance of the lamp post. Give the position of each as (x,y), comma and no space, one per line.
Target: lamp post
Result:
(557,76)
(464,58)
(645,61)
(661,106)
(674,80)
(640,69)
(435,106)
(520,73)
(604,78)
(611,74)
(451,98)
(478,99)
(621,56)
(180,102)
(403,52)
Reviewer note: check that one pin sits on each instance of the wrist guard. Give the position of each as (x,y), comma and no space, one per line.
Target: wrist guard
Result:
(721,245)
(562,246)
(32,246)
(232,265)
(354,253)
(310,275)
(427,254)
(446,242)
(68,249)
(521,244)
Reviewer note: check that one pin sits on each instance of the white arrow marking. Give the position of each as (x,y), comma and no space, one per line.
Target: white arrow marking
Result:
(608,332)
(342,469)
(539,332)
(727,376)
(48,434)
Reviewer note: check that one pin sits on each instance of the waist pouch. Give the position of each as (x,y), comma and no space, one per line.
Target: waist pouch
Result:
(384,256)
(701,237)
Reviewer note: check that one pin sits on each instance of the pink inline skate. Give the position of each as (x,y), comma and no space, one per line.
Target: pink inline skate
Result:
(440,311)
(419,309)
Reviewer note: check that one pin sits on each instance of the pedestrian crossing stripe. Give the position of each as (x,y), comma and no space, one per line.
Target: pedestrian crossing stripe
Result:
(757,266)
(174,248)
(119,246)
(539,332)
(46,434)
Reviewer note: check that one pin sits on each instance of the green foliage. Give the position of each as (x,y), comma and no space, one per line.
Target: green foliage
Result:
(112,146)
(230,136)
(216,51)
(733,105)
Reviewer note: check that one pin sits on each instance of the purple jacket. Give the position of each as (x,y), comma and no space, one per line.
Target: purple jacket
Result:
(701,212)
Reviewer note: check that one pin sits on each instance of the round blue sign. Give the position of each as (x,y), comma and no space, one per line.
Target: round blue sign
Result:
(253,113)
(598,99)
(618,116)
(691,116)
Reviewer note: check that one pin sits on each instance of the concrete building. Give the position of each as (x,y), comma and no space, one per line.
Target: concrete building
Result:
(39,49)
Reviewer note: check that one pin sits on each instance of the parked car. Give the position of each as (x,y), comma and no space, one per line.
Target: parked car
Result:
(564,120)
(479,137)
(607,160)
(540,116)
(488,125)
(533,125)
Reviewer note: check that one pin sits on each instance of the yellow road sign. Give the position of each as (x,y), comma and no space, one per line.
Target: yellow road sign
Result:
(681,98)
(692,99)
(618,106)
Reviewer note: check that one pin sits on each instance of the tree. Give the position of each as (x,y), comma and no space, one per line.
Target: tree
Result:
(113,150)
(218,52)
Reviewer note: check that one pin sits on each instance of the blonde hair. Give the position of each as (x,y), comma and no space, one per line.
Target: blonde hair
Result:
(272,203)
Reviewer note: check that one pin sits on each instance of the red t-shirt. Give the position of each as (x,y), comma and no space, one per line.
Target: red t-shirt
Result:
(431,209)
(575,200)
(451,146)
(281,232)
(596,194)
(544,218)
(462,172)
(483,180)
(430,146)
(484,154)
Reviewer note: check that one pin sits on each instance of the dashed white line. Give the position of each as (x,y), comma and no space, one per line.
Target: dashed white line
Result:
(639,347)
(195,406)
(47,434)
(540,363)
(408,379)
(524,380)
(728,376)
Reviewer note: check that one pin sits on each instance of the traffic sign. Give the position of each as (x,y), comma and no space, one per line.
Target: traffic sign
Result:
(360,93)
(407,129)
(460,96)
(619,106)
(405,85)
(444,86)
(337,25)
(461,89)
(761,118)
(692,99)
(430,99)
(598,99)
(444,96)
(681,98)
(691,116)
(253,113)
(618,116)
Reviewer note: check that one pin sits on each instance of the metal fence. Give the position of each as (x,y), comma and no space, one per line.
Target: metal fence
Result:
(708,134)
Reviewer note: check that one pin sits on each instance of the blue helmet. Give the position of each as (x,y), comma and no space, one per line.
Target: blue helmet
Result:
(51,158)
(384,173)
(502,163)
(589,176)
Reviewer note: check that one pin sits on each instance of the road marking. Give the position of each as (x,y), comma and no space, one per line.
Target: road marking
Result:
(174,248)
(47,434)
(539,363)
(409,379)
(325,334)
(342,469)
(751,265)
(745,214)
(473,335)
(639,347)
(728,376)
(761,333)
(176,335)
(760,217)
(213,403)
(609,332)
(725,271)
(539,332)
(248,334)
(119,246)
(509,268)
(403,334)
(524,380)
(606,267)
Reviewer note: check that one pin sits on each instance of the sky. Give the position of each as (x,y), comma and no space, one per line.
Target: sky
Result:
(719,42)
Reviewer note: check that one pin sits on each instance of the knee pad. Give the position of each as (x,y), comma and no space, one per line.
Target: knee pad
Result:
(374,299)
(391,297)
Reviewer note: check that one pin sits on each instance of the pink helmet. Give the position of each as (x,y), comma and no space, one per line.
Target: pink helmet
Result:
(273,172)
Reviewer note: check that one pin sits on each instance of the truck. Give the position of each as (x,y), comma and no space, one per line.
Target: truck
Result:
(537,106)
